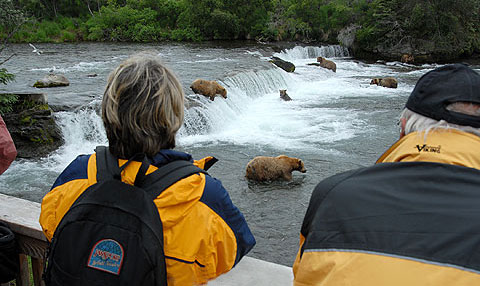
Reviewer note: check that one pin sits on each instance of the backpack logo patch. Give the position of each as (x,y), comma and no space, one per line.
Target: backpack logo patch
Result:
(106,255)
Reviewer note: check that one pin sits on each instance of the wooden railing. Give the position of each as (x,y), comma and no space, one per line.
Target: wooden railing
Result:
(22,216)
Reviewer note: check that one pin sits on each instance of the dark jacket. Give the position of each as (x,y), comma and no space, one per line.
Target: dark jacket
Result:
(412,219)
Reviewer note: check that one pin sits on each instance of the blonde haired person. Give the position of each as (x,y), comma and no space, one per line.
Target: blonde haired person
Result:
(205,235)
(412,218)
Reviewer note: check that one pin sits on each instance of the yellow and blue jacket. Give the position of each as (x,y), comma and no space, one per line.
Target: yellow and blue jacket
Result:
(411,219)
(205,235)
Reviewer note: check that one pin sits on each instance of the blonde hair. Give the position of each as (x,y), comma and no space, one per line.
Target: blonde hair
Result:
(142,107)
(416,122)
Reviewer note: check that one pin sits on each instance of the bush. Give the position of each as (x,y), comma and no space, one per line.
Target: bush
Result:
(222,25)
(186,34)
(68,36)
(7,101)
(123,24)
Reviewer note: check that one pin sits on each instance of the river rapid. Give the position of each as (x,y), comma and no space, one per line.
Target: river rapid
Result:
(335,121)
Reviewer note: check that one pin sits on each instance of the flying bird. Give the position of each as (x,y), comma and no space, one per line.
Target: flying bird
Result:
(35,50)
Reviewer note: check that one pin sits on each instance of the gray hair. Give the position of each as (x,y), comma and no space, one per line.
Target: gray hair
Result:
(142,107)
(416,122)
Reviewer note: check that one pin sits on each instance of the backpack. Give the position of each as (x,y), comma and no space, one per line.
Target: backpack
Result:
(9,262)
(112,234)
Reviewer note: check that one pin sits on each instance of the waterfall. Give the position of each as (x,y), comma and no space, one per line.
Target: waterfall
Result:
(204,115)
(309,52)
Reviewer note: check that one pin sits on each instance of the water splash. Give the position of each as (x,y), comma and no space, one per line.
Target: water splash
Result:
(310,52)
(205,116)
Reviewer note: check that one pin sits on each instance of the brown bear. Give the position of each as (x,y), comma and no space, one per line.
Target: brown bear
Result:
(389,82)
(264,168)
(208,88)
(284,95)
(407,58)
(324,63)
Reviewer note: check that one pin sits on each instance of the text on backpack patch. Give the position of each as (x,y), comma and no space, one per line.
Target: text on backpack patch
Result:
(106,255)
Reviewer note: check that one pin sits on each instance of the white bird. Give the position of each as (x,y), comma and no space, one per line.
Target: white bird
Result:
(35,50)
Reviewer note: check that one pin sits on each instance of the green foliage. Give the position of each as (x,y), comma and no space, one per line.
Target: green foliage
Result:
(124,24)
(222,25)
(6,103)
(187,34)
(5,76)
(438,24)
(441,27)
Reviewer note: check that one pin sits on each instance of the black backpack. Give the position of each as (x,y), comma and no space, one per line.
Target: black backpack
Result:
(112,234)
(9,262)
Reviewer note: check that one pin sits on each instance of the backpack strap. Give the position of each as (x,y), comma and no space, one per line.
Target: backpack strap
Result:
(107,165)
(155,183)
(162,178)
(108,169)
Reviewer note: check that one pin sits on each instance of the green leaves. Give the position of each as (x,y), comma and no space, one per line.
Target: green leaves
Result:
(7,101)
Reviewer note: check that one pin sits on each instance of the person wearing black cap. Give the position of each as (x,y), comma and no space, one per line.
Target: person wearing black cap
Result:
(414,217)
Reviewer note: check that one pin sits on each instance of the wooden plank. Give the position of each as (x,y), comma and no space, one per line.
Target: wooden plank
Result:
(22,216)
(37,268)
(31,246)
(23,278)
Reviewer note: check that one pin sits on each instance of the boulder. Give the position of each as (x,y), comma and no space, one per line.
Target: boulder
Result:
(52,80)
(347,35)
(32,126)
(286,66)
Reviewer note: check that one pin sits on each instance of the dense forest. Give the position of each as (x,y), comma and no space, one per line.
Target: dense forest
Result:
(430,30)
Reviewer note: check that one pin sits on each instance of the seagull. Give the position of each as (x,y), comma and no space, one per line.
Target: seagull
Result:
(35,50)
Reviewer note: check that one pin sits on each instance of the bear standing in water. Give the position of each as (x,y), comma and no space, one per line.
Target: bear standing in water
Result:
(284,95)
(264,168)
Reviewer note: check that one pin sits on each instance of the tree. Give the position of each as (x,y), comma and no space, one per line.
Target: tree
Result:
(10,20)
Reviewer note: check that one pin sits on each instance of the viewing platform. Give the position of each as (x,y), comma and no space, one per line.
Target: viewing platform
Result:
(22,216)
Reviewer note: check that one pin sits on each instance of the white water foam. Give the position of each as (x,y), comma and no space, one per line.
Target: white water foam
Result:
(311,52)
(79,67)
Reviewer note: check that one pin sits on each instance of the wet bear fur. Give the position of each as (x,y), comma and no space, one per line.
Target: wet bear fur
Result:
(389,82)
(284,95)
(324,63)
(264,168)
(208,88)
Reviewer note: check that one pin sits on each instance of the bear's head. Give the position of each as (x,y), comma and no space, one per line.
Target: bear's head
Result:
(295,163)
(283,92)
(222,91)
(320,59)
(300,166)
(375,81)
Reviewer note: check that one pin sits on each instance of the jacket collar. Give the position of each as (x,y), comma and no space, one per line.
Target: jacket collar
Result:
(449,146)
(167,155)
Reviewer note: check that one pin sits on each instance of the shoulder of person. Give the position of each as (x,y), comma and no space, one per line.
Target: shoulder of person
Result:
(77,169)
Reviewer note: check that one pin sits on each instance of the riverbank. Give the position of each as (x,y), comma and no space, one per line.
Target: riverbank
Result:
(424,32)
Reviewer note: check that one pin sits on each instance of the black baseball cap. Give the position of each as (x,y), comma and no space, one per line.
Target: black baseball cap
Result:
(440,87)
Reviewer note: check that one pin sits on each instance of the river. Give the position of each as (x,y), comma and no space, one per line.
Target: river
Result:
(335,121)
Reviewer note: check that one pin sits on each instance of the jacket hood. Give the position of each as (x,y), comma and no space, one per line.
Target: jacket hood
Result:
(167,155)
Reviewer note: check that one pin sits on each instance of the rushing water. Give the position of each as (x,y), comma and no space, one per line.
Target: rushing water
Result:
(335,122)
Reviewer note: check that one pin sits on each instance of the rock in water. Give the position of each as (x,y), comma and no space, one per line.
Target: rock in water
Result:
(52,80)
(286,66)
